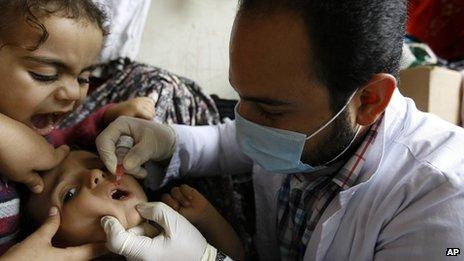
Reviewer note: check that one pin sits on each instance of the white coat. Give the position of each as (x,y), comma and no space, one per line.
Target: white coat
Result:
(409,205)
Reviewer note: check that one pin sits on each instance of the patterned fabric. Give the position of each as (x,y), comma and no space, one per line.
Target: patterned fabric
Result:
(301,202)
(177,99)
(9,215)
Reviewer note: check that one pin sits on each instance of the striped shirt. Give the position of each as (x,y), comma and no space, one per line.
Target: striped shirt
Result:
(301,202)
(9,215)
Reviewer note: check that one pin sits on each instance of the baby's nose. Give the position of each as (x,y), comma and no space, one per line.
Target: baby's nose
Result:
(96,177)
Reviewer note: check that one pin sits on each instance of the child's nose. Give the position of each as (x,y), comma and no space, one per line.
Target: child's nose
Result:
(96,177)
(70,92)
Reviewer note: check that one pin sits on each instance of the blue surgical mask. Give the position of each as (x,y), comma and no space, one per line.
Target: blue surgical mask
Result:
(277,150)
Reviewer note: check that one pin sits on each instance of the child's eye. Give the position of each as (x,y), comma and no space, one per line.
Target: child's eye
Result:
(43,78)
(83,81)
(69,195)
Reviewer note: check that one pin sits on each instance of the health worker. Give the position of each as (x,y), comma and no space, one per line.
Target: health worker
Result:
(344,166)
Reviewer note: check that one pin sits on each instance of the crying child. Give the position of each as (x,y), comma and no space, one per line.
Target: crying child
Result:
(84,191)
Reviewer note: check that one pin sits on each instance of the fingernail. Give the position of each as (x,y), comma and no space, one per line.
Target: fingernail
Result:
(37,189)
(53,211)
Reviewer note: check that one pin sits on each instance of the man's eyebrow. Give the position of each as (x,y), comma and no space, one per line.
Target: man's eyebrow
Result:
(265,100)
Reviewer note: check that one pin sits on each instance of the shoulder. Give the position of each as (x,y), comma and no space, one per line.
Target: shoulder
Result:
(424,163)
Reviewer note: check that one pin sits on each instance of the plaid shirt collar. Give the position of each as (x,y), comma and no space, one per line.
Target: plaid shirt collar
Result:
(302,202)
(348,175)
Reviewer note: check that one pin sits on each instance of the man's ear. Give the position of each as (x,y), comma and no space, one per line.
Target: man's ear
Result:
(374,97)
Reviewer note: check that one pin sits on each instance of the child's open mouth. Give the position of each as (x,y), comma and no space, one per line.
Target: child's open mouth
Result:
(44,123)
(119,194)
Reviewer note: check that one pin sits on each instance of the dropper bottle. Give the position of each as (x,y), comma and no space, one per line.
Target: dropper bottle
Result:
(124,144)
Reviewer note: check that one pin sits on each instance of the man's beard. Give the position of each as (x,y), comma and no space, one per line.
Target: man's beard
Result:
(330,146)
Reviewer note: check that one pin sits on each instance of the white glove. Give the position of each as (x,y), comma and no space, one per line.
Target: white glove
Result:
(153,141)
(180,240)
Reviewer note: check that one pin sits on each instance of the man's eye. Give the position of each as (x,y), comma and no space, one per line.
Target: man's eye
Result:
(269,115)
(43,78)
(69,195)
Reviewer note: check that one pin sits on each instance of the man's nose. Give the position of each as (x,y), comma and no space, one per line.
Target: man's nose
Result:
(96,177)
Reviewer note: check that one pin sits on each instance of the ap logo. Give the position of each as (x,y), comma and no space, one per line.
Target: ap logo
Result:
(452,251)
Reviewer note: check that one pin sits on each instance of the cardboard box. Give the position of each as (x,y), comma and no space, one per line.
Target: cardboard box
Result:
(434,89)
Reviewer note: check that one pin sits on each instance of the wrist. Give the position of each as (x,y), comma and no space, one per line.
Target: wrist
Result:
(204,220)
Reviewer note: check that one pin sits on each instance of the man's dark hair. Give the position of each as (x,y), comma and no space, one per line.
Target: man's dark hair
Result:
(351,39)
(16,12)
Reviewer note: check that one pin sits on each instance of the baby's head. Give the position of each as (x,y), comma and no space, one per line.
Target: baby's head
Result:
(84,191)
(47,48)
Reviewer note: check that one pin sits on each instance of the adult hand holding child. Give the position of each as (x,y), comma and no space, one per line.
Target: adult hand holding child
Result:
(39,245)
(24,153)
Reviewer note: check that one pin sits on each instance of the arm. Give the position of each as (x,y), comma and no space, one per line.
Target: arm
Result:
(200,151)
(204,150)
(209,150)
(221,235)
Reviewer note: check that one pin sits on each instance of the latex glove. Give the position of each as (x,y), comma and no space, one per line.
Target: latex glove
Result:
(180,240)
(153,141)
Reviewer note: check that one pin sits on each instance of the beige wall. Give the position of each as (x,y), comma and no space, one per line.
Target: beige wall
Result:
(191,38)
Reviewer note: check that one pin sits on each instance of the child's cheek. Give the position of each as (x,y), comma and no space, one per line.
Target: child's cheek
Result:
(133,219)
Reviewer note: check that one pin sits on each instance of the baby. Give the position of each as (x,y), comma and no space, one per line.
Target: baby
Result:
(84,191)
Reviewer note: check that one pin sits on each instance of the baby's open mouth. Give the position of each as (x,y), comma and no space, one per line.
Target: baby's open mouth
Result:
(119,194)
(44,123)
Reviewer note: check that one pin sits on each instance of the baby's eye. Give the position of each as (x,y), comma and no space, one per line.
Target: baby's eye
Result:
(69,195)
(83,81)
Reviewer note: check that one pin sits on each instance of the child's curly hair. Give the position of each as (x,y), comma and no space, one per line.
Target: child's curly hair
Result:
(18,12)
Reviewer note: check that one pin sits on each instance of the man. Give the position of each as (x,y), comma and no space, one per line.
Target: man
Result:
(344,167)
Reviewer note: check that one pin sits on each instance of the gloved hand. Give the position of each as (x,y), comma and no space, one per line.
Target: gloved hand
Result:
(153,141)
(180,240)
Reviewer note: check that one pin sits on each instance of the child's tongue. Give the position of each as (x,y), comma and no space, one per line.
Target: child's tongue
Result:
(43,123)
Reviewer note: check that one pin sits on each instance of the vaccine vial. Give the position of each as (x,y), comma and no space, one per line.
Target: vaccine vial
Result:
(123,145)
